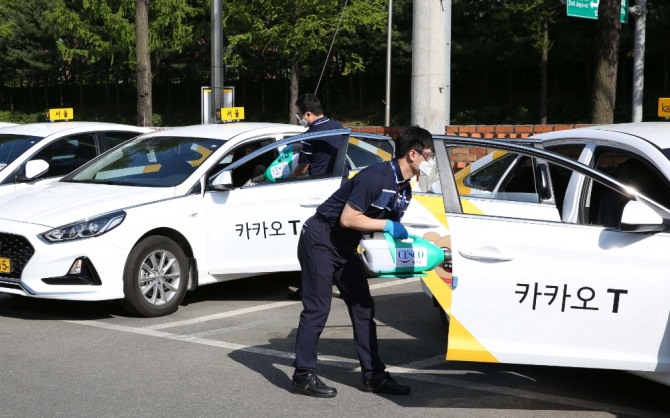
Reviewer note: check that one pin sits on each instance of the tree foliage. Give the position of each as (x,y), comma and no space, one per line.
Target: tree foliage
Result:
(82,53)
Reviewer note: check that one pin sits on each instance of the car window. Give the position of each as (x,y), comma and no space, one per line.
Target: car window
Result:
(12,146)
(487,177)
(150,161)
(363,152)
(275,165)
(605,204)
(499,175)
(67,154)
(115,138)
(571,151)
(256,166)
(576,196)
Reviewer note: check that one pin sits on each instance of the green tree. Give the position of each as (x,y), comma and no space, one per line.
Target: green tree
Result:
(607,61)
(292,36)
(27,50)
(537,16)
(101,36)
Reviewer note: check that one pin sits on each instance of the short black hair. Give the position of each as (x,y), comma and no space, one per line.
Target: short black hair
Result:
(413,138)
(309,103)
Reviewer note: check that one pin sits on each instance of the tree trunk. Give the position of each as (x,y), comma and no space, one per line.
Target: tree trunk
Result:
(144,110)
(607,59)
(294,87)
(543,72)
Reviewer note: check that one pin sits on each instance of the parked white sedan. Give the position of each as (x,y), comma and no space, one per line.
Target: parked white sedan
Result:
(167,211)
(39,151)
(553,262)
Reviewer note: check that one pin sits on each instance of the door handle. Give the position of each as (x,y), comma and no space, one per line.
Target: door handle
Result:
(421,224)
(485,254)
(311,202)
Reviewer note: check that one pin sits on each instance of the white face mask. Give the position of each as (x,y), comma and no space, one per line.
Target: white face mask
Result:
(426,167)
(302,122)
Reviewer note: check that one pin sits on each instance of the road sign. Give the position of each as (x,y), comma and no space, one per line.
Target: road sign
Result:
(588,9)
(664,107)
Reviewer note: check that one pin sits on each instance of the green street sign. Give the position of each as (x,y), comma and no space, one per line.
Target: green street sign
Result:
(588,9)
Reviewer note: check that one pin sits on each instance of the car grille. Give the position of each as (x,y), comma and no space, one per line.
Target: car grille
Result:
(18,250)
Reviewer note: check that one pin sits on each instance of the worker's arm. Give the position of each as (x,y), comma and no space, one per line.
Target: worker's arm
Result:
(300,170)
(354,219)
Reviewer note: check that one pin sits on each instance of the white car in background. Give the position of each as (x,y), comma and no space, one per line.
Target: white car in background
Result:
(167,211)
(554,262)
(50,150)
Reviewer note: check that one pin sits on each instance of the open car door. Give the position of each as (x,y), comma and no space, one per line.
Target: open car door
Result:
(556,292)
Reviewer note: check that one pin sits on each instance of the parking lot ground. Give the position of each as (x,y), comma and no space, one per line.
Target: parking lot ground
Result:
(228,352)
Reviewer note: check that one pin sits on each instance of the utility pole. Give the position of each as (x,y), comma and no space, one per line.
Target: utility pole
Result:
(428,65)
(217,59)
(389,30)
(640,12)
(447,62)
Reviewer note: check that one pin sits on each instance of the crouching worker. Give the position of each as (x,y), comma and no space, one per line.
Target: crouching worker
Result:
(373,200)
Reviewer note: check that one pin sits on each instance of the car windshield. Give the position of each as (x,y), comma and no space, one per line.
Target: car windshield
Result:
(11,146)
(149,161)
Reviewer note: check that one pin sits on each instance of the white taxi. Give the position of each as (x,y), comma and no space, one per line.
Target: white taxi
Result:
(557,265)
(167,211)
(39,151)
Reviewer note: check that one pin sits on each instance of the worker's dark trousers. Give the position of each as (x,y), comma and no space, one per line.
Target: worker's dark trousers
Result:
(325,260)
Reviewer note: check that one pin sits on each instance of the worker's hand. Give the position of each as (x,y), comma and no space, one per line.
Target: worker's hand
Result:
(396,229)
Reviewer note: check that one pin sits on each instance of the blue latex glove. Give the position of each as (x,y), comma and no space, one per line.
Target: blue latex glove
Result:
(396,229)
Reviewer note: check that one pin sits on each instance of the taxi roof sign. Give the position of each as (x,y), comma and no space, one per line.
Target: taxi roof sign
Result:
(232,113)
(664,107)
(61,114)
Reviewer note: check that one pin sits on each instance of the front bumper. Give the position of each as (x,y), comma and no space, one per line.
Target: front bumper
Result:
(40,270)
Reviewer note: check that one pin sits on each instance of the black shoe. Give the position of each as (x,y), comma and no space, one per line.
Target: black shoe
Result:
(294,294)
(311,385)
(384,383)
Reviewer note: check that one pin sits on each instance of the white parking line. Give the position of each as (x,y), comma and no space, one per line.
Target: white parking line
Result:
(431,376)
(221,315)
(259,308)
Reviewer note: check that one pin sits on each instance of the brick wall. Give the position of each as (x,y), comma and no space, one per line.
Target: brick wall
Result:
(460,158)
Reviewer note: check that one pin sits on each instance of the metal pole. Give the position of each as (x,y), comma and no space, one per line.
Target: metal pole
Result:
(387,113)
(217,58)
(447,62)
(428,73)
(640,12)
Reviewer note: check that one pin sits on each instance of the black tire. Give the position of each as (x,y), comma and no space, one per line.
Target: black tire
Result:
(155,277)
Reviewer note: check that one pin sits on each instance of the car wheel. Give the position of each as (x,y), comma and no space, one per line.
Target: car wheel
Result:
(155,277)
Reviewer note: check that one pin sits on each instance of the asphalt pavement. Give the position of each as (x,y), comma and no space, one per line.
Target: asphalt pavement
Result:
(228,352)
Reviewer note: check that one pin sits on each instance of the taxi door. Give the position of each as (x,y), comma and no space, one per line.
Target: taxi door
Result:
(531,291)
(255,228)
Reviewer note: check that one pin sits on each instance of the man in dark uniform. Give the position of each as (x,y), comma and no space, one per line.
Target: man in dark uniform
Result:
(373,200)
(316,157)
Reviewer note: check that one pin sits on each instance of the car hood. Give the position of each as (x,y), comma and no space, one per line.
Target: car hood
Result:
(60,203)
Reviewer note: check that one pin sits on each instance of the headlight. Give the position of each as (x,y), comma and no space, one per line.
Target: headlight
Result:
(88,228)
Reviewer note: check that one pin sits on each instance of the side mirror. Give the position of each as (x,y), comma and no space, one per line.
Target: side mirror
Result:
(223,181)
(35,168)
(639,217)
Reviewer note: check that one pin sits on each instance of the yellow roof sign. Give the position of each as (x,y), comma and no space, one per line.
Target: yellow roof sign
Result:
(664,107)
(61,114)
(232,113)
